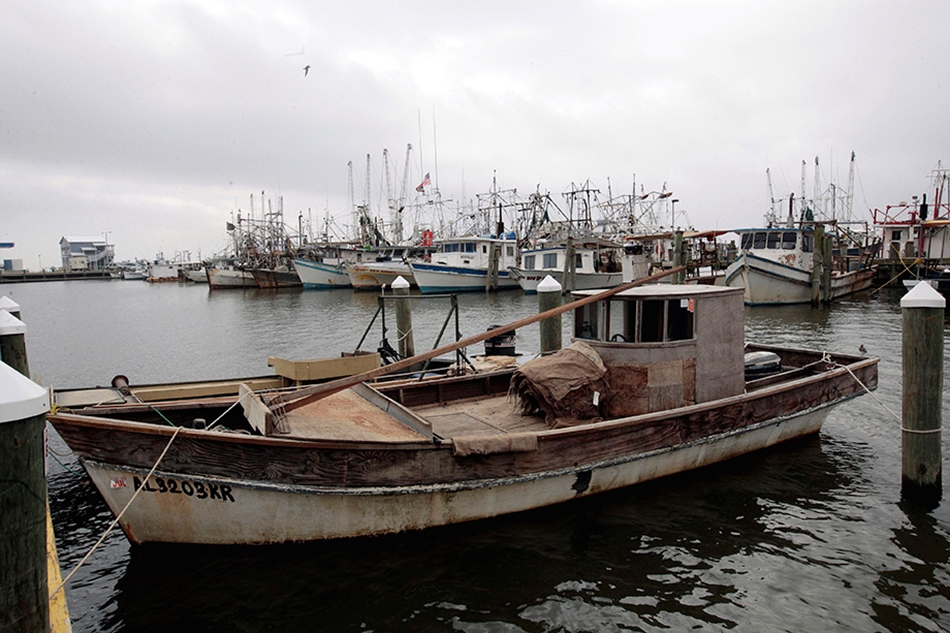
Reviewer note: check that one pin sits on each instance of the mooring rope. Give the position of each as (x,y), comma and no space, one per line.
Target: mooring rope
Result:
(826,357)
(117,518)
(906,269)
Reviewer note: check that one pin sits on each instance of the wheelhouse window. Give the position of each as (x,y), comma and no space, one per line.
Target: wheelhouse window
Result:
(639,321)
(550,260)
(788,240)
(529,262)
(808,243)
(760,240)
(775,238)
(747,241)
(469,247)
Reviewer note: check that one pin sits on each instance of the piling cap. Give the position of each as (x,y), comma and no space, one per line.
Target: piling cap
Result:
(20,397)
(9,324)
(549,284)
(400,283)
(8,304)
(923,295)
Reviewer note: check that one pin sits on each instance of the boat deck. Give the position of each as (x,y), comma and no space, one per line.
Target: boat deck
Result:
(345,416)
(488,416)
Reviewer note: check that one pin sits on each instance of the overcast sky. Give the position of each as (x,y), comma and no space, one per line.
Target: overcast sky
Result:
(154,122)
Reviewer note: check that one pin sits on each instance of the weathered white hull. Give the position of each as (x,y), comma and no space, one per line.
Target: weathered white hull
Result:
(230,278)
(172,508)
(435,278)
(199,276)
(767,282)
(321,275)
(529,279)
(375,276)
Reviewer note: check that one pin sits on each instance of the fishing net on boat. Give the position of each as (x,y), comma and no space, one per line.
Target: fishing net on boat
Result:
(565,387)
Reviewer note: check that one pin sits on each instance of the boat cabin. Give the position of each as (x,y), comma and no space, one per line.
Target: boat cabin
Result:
(665,346)
(476,252)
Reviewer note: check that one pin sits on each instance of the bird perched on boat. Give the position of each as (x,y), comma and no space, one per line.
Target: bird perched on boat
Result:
(306,70)
(862,350)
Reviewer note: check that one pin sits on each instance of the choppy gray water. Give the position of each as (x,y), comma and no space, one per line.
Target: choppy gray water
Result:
(811,536)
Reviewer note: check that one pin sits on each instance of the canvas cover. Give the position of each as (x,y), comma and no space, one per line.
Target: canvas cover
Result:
(565,387)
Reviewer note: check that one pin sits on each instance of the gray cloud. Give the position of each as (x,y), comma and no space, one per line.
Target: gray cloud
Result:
(156,121)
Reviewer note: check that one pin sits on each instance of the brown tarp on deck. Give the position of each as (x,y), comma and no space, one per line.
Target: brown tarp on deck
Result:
(565,387)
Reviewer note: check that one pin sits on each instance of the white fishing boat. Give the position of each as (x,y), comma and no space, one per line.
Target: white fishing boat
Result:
(588,263)
(197,275)
(779,266)
(324,274)
(137,273)
(229,275)
(463,264)
(658,381)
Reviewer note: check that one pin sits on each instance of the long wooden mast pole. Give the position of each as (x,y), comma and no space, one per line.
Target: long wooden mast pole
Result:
(299,398)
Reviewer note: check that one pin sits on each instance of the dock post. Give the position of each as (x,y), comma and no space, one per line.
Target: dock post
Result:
(828,264)
(679,257)
(818,256)
(13,343)
(922,312)
(549,296)
(405,345)
(11,306)
(24,592)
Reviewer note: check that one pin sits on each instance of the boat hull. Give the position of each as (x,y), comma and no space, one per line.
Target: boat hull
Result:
(529,279)
(436,278)
(217,511)
(276,278)
(321,275)
(375,276)
(228,278)
(767,282)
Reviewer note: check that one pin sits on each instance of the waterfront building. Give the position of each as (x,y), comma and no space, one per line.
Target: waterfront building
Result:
(86,253)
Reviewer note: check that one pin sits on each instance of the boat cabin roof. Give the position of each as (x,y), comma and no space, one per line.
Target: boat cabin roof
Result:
(662,291)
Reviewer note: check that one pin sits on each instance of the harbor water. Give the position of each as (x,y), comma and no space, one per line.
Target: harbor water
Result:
(809,536)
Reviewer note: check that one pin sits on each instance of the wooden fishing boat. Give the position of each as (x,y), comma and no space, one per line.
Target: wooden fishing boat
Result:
(654,383)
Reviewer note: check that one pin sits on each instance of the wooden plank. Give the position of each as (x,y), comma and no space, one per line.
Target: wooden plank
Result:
(301,397)
(324,368)
(258,415)
(202,389)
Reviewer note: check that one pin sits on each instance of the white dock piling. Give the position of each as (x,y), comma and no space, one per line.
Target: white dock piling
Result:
(24,599)
(549,296)
(405,345)
(922,399)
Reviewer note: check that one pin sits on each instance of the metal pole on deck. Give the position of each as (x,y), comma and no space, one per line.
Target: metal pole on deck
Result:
(405,345)
(24,592)
(549,296)
(922,312)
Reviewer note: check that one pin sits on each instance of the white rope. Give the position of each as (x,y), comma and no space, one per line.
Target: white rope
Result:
(117,518)
(827,358)
(218,419)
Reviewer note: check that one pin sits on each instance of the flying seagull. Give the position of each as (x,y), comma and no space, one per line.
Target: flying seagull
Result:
(306,70)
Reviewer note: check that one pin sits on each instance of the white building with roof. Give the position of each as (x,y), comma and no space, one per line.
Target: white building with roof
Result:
(86,253)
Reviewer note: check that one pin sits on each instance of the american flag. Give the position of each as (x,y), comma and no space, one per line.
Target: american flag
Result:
(425,183)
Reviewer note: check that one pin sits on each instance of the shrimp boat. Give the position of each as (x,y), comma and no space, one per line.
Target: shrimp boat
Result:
(658,380)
